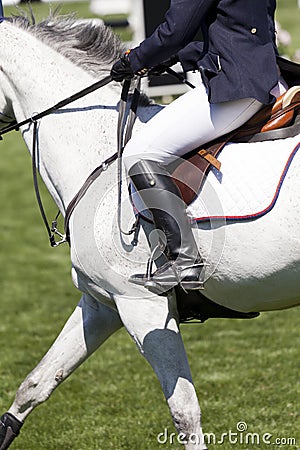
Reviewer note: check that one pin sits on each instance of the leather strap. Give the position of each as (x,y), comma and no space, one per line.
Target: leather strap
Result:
(80,194)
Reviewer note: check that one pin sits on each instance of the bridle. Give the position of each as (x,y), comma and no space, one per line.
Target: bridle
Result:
(33,120)
(124,126)
(124,132)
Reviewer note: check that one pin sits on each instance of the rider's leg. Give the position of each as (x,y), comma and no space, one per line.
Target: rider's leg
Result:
(187,123)
(182,126)
(162,197)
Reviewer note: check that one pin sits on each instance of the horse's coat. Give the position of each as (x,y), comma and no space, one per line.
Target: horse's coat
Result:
(253,266)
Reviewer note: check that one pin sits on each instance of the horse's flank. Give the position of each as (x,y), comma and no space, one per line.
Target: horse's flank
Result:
(77,139)
(253,265)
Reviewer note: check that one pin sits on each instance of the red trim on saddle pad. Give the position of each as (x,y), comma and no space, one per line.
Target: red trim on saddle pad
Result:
(265,210)
(245,217)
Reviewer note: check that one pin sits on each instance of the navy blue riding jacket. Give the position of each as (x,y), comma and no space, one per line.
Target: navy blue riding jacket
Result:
(237,58)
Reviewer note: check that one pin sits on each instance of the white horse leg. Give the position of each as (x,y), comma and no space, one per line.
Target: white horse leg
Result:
(153,324)
(88,327)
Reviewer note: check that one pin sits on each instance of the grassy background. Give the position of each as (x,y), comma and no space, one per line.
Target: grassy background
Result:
(243,370)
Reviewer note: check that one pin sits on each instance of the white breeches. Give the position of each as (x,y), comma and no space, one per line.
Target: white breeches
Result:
(187,123)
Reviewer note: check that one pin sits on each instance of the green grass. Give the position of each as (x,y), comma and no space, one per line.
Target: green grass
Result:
(243,370)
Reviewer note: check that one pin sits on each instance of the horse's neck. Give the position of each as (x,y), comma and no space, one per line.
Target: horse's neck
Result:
(73,141)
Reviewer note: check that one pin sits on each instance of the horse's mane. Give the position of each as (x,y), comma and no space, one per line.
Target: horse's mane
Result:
(88,44)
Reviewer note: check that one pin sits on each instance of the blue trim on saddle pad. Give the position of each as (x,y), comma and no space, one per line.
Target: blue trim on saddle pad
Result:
(264,211)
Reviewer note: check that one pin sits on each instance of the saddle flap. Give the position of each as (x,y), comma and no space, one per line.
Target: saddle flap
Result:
(188,177)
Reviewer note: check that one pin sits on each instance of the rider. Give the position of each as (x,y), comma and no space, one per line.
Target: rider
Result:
(237,64)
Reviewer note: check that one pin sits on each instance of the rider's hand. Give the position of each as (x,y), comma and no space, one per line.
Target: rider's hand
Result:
(162,67)
(121,70)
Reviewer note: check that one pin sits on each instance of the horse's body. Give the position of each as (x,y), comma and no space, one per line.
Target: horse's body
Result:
(254,265)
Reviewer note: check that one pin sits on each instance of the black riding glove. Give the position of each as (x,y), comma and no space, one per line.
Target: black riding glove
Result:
(121,70)
(162,67)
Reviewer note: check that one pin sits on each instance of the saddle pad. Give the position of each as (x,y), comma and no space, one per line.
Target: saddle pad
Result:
(248,184)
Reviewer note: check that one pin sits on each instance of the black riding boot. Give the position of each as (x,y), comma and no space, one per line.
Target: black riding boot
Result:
(162,197)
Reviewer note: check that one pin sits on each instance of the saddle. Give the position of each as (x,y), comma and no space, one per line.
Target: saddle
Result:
(271,122)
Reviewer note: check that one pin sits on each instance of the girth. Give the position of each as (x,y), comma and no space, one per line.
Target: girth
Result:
(274,122)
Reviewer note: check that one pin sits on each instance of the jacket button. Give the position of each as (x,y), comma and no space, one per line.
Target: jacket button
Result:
(253,30)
